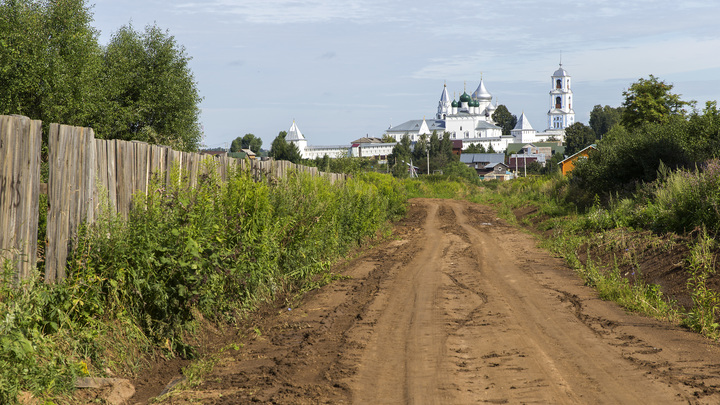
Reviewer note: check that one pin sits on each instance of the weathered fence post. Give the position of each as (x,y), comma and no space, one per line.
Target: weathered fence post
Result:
(71,188)
(20,140)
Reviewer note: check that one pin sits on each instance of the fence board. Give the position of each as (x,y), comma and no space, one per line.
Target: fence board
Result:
(20,141)
(84,172)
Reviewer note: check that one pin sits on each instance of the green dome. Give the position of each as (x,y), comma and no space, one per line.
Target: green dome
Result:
(465,98)
(454,103)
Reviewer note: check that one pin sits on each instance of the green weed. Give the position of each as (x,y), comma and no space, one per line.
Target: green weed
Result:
(702,317)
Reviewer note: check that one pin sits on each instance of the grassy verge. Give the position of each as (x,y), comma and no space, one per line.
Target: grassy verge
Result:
(606,244)
(135,287)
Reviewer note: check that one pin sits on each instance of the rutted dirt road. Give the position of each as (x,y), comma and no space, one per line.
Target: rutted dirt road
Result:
(460,309)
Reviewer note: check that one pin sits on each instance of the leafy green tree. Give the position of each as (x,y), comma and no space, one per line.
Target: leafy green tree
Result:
(401,156)
(577,137)
(490,149)
(650,101)
(604,118)
(284,150)
(504,119)
(388,139)
(153,95)
(420,153)
(627,158)
(475,148)
(249,141)
(50,61)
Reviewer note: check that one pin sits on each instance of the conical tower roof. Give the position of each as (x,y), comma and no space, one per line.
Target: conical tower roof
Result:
(294,133)
(444,97)
(523,122)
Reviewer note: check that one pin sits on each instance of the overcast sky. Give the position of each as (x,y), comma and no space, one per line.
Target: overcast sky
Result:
(345,69)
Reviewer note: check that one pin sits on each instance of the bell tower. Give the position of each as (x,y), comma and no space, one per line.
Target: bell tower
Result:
(561,114)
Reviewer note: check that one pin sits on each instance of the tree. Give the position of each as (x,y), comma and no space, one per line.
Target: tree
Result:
(50,61)
(153,95)
(650,101)
(490,149)
(388,139)
(420,152)
(401,156)
(475,148)
(604,118)
(249,141)
(577,137)
(504,119)
(284,150)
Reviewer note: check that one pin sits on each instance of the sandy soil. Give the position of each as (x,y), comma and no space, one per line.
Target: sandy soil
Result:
(459,309)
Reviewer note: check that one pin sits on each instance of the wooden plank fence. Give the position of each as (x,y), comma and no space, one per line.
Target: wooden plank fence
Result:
(83,172)
(20,141)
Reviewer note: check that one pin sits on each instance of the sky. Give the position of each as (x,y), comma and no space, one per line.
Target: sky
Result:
(344,69)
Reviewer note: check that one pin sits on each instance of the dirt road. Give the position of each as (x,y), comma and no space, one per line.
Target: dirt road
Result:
(460,309)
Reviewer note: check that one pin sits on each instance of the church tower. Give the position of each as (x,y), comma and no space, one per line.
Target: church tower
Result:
(444,105)
(295,136)
(561,114)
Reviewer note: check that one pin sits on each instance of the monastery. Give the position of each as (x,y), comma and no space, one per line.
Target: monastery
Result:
(468,119)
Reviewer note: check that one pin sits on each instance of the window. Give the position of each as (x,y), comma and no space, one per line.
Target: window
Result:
(558,102)
(558,85)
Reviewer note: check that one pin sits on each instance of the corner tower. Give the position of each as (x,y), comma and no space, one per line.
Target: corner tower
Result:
(561,114)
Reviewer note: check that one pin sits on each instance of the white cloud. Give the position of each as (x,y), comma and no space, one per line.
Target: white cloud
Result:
(293,11)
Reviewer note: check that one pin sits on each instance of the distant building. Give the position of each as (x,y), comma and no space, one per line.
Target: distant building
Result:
(311,152)
(470,118)
(561,114)
(568,164)
(482,162)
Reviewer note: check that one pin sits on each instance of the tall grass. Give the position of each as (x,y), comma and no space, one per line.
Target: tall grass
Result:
(215,250)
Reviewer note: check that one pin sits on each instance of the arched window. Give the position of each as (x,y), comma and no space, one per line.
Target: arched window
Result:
(568,83)
(558,84)
(558,102)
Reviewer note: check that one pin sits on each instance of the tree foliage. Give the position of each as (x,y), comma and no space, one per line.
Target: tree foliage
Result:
(50,61)
(604,118)
(249,141)
(52,68)
(475,148)
(650,101)
(152,92)
(577,137)
(280,149)
(504,119)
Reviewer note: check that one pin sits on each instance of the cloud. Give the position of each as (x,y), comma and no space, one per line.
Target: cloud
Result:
(293,11)
(237,63)
(328,55)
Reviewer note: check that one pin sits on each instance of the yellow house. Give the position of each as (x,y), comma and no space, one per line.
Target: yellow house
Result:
(568,164)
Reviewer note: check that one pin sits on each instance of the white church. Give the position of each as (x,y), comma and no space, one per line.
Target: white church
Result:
(470,118)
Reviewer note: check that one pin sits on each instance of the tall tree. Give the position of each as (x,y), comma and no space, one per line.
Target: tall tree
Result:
(603,118)
(249,141)
(650,101)
(280,149)
(420,152)
(153,95)
(504,119)
(401,156)
(50,61)
(577,137)
(475,148)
